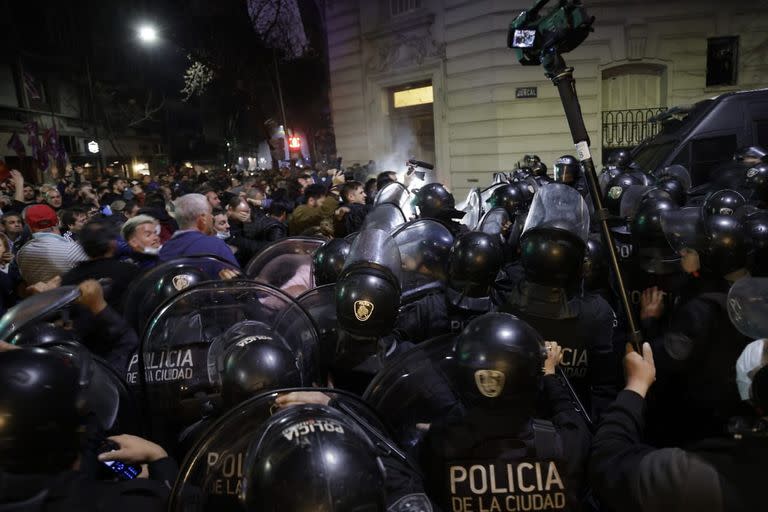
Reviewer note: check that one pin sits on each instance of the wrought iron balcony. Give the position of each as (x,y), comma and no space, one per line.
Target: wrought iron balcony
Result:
(629,127)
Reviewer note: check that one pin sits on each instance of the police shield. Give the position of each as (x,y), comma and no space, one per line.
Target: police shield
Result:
(212,474)
(684,228)
(374,248)
(558,206)
(748,306)
(286,264)
(386,217)
(630,202)
(165,281)
(415,390)
(424,245)
(495,221)
(35,309)
(397,194)
(216,342)
(320,305)
(472,207)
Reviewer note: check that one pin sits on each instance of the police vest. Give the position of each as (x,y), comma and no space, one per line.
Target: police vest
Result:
(533,479)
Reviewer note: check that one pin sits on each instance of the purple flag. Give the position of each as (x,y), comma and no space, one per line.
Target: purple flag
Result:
(16,145)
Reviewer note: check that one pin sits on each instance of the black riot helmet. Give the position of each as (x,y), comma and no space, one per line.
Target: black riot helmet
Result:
(723,202)
(41,404)
(653,252)
(511,197)
(596,269)
(757,181)
(257,359)
(567,169)
(434,201)
(674,188)
(473,263)
(552,257)
(725,244)
(619,159)
(368,290)
(328,260)
(538,168)
(312,457)
(500,360)
(367,303)
(615,190)
(750,155)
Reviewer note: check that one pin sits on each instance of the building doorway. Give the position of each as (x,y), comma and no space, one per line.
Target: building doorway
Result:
(412,125)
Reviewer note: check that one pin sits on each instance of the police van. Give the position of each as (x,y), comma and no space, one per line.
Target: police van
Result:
(703,135)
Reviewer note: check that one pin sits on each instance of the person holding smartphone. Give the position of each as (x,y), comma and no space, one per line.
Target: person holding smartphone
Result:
(43,459)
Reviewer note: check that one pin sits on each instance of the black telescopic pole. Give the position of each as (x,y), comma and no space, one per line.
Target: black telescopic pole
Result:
(562,78)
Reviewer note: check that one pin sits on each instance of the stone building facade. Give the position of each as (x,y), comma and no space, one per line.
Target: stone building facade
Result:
(644,55)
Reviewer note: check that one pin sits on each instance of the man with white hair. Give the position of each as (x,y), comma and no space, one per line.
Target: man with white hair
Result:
(194,215)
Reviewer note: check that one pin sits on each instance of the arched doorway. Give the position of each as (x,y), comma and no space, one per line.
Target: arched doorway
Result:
(631,95)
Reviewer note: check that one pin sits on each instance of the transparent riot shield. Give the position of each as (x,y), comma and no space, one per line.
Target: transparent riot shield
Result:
(165,281)
(748,306)
(472,206)
(377,248)
(486,193)
(188,348)
(494,221)
(286,264)
(211,475)
(416,389)
(397,194)
(559,206)
(424,246)
(684,228)
(386,217)
(35,309)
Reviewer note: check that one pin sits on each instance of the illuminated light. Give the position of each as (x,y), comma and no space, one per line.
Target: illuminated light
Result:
(141,168)
(412,97)
(147,34)
(188,164)
(294,142)
(93,147)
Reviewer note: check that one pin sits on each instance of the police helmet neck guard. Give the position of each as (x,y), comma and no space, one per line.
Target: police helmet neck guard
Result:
(467,303)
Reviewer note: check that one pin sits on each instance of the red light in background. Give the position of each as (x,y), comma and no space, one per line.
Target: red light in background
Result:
(294,142)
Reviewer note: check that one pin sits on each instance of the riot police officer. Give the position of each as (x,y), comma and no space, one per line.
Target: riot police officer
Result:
(549,294)
(328,261)
(473,263)
(568,171)
(435,202)
(42,397)
(497,456)
(367,302)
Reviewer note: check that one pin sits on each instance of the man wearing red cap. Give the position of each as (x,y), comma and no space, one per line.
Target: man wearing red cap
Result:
(48,254)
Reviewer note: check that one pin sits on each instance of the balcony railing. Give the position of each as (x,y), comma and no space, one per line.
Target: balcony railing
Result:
(629,127)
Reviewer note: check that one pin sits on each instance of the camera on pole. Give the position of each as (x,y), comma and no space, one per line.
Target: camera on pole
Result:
(540,37)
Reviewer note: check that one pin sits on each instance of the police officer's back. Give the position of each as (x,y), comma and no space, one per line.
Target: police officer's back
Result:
(40,449)
(498,456)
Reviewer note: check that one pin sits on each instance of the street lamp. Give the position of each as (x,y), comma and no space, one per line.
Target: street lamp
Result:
(147,34)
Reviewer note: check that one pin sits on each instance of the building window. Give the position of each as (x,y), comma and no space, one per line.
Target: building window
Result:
(398,7)
(412,97)
(722,61)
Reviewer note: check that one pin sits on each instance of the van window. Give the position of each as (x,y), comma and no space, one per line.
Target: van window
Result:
(707,153)
(761,133)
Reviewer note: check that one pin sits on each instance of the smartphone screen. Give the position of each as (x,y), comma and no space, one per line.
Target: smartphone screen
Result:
(124,471)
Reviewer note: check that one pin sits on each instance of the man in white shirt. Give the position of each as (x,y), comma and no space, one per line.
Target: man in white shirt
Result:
(48,254)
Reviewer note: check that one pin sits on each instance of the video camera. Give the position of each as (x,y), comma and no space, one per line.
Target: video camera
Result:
(562,29)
